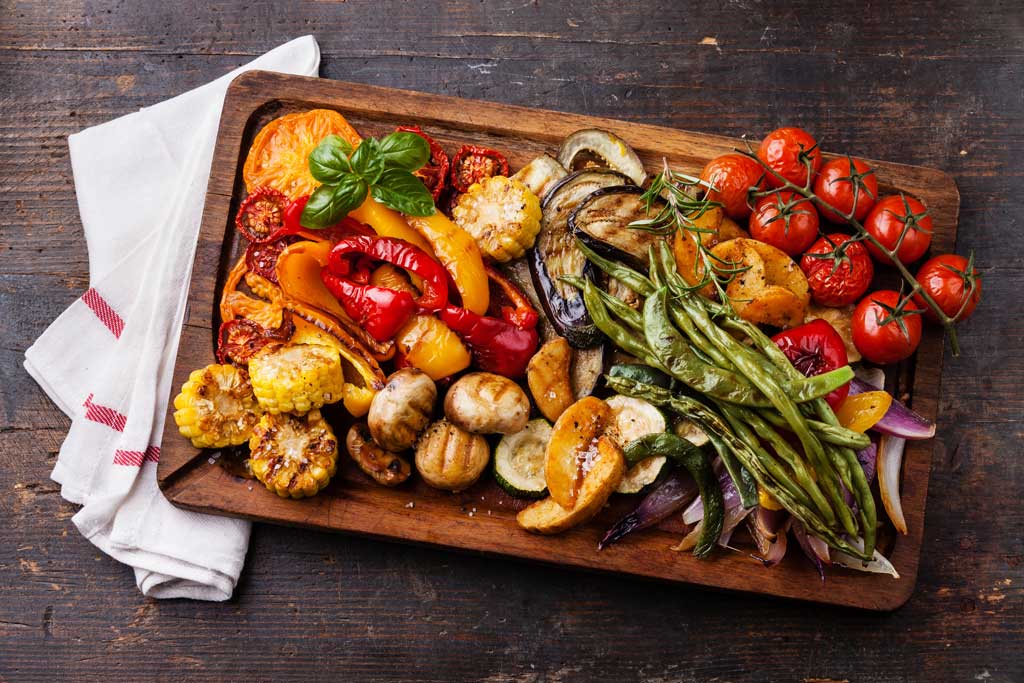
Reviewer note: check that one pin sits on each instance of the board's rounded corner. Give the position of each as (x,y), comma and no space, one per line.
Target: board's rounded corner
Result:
(897,599)
(248,79)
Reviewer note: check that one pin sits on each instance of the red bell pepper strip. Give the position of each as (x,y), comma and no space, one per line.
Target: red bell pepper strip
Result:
(379,310)
(497,345)
(397,252)
(521,313)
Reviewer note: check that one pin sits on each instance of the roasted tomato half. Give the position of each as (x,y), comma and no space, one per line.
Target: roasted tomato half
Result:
(844,182)
(953,283)
(880,333)
(786,221)
(838,270)
(815,348)
(893,216)
(241,339)
(261,258)
(472,164)
(786,151)
(261,214)
(435,173)
(733,176)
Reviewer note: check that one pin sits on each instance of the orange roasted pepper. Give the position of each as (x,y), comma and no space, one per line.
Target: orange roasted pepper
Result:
(458,252)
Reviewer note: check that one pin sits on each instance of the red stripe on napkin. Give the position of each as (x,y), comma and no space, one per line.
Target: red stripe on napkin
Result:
(107,315)
(104,415)
(136,458)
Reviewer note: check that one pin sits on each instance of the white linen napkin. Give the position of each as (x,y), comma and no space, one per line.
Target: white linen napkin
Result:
(107,360)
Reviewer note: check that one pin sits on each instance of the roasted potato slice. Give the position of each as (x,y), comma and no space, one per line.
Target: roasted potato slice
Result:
(548,378)
(773,289)
(606,467)
(776,306)
(571,445)
(729,229)
(781,270)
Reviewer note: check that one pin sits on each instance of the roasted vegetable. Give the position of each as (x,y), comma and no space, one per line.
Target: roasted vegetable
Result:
(450,458)
(402,409)
(502,215)
(605,466)
(556,254)
(572,446)
(632,419)
(548,378)
(293,456)
(670,496)
(541,174)
(485,403)
(460,255)
(296,378)
(497,345)
(428,344)
(473,164)
(592,144)
(519,460)
(385,467)
(772,291)
(641,373)
(216,407)
(602,221)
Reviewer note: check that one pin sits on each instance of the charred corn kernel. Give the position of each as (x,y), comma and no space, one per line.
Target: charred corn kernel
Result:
(767,500)
(294,456)
(502,215)
(297,378)
(216,407)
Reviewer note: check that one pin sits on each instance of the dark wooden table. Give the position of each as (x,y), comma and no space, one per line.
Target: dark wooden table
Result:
(940,86)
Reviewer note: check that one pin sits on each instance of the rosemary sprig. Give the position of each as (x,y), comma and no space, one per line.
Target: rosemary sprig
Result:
(861,234)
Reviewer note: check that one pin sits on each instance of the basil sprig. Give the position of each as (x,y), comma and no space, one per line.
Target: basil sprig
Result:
(384,168)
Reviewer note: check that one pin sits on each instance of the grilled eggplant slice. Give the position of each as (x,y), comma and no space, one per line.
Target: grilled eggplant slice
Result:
(555,254)
(591,143)
(602,221)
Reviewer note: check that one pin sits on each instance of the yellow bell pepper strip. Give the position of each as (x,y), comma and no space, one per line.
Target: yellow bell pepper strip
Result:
(860,412)
(460,255)
(388,223)
(428,344)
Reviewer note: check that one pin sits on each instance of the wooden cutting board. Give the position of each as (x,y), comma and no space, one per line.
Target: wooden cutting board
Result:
(482,519)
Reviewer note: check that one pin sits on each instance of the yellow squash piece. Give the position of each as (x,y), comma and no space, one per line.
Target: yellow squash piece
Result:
(572,446)
(296,378)
(460,255)
(293,456)
(216,407)
(604,472)
(502,215)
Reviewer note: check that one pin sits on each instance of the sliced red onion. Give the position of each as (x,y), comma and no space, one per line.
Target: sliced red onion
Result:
(873,376)
(878,564)
(733,516)
(890,462)
(816,550)
(767,528)
(899,420)
(868,459)
(730,496)
(675,492)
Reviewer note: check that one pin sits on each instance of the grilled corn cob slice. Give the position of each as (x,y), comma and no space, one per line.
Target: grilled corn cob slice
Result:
(216,407)
(293,456)
(296,378)
(502,215)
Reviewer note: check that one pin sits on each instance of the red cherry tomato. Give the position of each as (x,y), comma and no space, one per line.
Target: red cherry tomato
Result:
(733,176)
(837,278)
(946,280)
(813,349)
(879,335)
(784,150)
(887,222)
(840,181)
(786,221)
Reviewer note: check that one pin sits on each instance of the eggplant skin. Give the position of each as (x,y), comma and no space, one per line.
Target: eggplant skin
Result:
(568,316)
(601,221)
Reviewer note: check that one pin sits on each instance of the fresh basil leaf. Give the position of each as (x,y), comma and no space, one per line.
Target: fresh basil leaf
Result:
(404,150)
(330,203)
(402,191)
(339,142)
(366,160)
(328,162)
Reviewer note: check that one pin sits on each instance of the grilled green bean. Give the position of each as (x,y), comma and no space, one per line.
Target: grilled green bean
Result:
(833,434)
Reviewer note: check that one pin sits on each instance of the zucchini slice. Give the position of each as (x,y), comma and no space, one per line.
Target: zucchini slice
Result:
(632,419)
(519,460)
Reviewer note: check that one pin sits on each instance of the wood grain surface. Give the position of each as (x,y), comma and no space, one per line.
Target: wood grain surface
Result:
(482,518)
(936,84)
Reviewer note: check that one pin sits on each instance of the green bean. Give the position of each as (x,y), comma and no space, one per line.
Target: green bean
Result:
(620,335)
(627,276)
(833,434)
(700,413)
(675,354)
(745,483)
(686,455)
(789,455)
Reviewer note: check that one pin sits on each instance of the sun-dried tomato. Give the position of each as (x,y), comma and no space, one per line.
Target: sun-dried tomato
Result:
(434,173)
(261,214)
(261,257)
(473,164)
(241,339)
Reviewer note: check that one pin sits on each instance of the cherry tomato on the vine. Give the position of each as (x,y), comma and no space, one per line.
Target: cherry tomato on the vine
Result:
(786,221)
(888,220)
(733,176)
(785,150)
(945,278)
(837,273)
(880,333)
(840,182)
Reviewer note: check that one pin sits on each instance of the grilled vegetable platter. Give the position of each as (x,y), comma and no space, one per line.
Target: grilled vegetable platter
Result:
(579,330)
